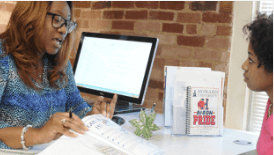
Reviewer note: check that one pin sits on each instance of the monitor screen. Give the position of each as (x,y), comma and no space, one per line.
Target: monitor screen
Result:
(107,64)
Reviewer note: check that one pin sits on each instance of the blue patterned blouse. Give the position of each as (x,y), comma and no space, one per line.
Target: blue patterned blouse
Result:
(21,105)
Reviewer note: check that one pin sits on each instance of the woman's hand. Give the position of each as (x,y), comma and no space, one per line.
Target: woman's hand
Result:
(101,107)
(58,125)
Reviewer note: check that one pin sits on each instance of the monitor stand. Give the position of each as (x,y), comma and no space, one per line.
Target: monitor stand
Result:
(126,107)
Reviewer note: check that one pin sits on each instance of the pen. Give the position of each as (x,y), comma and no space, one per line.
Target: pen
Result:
(154,104)
(70,113)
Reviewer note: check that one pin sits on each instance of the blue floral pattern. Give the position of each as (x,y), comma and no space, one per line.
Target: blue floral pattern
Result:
(21,105)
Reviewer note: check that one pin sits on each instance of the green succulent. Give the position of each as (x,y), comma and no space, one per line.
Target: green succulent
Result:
(145,125)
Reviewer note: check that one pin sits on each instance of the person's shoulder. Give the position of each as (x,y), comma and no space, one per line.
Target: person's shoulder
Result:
(4,57)
(2,51)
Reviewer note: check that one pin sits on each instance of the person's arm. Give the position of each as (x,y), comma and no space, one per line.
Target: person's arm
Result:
(11,136)
(53,129)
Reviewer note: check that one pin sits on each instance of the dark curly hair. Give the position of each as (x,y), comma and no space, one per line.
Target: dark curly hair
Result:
(261,39)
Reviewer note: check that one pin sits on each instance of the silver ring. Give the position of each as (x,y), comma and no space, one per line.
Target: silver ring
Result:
(63,121)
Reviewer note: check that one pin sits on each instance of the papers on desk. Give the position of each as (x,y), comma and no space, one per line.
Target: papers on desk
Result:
(34,150)
(104,137)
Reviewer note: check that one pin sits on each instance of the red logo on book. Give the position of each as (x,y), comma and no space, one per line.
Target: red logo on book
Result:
(203,115)
(202,105)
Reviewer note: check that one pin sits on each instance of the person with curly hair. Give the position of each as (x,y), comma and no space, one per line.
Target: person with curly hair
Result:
(37,87)
(258,73)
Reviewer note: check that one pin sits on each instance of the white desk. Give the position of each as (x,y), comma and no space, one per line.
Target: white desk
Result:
(189,145)
(195,145)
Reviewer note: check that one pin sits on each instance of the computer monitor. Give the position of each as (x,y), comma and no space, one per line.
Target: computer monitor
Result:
(106,64)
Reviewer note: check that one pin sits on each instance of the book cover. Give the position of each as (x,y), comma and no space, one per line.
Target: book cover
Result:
(203,111)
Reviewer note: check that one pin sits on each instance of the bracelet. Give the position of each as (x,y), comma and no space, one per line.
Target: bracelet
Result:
(24,130)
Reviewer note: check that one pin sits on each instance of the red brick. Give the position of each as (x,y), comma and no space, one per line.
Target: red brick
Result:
(147,4)
(91,14)
(178,52)
(225,57)
(173,27)
(191,29)
(222,67)
(158,52)
(2,5)
(191,41)
(189,17)
(101,5)
(224,18)
(164,39)
(153,83)
(203,5)
(160,15)
(226,7)
(123,25)
(216,18)
(130,33)
(161,85)
(159,63)
(206,54)
(148,26)
(218,43)
(172,62)
(161,96)
(123,4)
(172,5)
(157,74)
(224,30)
(99,25)
(83,23)
(188,63)
(156,84)
(151,94)
(136,14)
(10,6)
(113,14)
(226,81)
(210,17)
(77,13)
(81,4)
(111,32)
(208,30)
(204,64)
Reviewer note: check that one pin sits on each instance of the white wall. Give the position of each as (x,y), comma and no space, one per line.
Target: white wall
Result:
(236,108)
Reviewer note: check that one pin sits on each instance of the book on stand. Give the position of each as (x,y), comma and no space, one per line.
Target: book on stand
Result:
(170,76)
(185,106)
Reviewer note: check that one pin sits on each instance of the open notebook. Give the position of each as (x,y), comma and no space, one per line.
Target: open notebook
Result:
(104,137)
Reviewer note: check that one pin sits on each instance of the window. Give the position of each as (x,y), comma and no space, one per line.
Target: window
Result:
(258,100)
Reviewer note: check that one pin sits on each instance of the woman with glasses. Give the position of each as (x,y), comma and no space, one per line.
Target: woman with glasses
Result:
(37,87)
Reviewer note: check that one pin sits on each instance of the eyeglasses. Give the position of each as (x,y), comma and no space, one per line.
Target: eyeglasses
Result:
(58,21)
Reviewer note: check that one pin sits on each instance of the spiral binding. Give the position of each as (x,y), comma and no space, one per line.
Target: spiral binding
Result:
(188,109)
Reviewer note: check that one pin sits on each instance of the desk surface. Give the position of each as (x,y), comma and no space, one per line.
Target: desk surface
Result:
(192,145)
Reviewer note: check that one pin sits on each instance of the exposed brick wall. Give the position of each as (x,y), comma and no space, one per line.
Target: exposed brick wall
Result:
(6,8)
(196,34)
